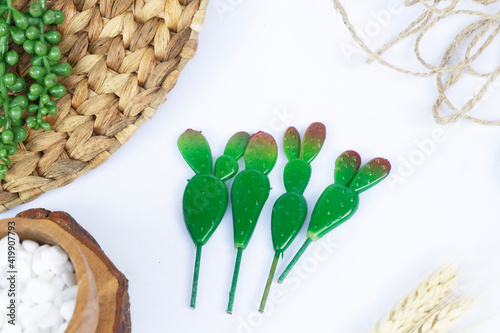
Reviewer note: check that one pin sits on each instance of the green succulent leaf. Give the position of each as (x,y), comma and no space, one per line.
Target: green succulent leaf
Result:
(288,216)
(261,153)
(296,176)
(196,151)
(226,167)
(370,174)
(291,143)
(236,145)
(346,167)
(312,143)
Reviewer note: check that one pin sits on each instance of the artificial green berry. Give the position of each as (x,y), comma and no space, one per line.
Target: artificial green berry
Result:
(54,53)
(59,16)
(31,122)
(29,46)
(36,89)
(50,80)
(6,160)
(32,33)
(17,122)
(20,20)
(45,98)
(43,111)
(32,108)
(57,91)
(41,48)
(4,29)
(38,72)
(36,10)
(52,110)
(7,136)
(53,36)
(17,35)
(36,60)
(20,100)
(32,97)
(49,17)
(19,85)
(51,103)
(20,134)
(9,79)
(16,112)
(11,149)
(45,126)
(62,69)
(11,57)
(33,20)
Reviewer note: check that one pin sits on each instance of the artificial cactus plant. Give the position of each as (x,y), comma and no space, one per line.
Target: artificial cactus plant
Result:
(249,193)
(290,209)
(339,201)
(206,196)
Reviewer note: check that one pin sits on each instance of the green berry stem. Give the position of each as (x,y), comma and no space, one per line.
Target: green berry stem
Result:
(196,275)
(294,260)
(269,281)
(235,281)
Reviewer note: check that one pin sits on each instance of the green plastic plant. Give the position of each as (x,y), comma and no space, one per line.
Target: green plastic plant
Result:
(45,63)
(249,193)
(339,201)
(27,29)
(290,209)
(206,197)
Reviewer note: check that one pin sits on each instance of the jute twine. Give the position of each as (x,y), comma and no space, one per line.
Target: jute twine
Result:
(476,37)
(126,56)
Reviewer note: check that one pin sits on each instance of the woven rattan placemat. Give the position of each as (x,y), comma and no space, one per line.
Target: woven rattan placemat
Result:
(126,56)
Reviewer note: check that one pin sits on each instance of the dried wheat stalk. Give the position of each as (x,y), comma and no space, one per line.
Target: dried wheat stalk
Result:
(432,307)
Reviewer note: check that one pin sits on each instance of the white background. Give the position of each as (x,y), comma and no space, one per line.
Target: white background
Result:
(265,65)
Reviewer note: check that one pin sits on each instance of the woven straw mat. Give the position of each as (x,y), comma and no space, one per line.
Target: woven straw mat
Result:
(126,56)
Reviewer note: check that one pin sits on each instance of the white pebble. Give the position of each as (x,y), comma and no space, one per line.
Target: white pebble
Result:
(30,246)
(57,301)
(58,284)
(40,291)
(47,288)
(69,293)
(63,327)
(47,276)
(54,255)
(67,309)
(67,267)
(26,299)
(37,265)
(69,278)
(51,318)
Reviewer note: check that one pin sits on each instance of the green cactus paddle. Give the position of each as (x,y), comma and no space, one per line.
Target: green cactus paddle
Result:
(249,193)
(205,197)
(339,201)
(290,209)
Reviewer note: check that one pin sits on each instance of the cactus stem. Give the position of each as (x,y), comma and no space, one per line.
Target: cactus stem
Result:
(235,281)
(294,260)
(196,275)
(269,281)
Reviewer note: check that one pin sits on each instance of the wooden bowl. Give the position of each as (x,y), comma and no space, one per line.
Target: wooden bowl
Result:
(102,301)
